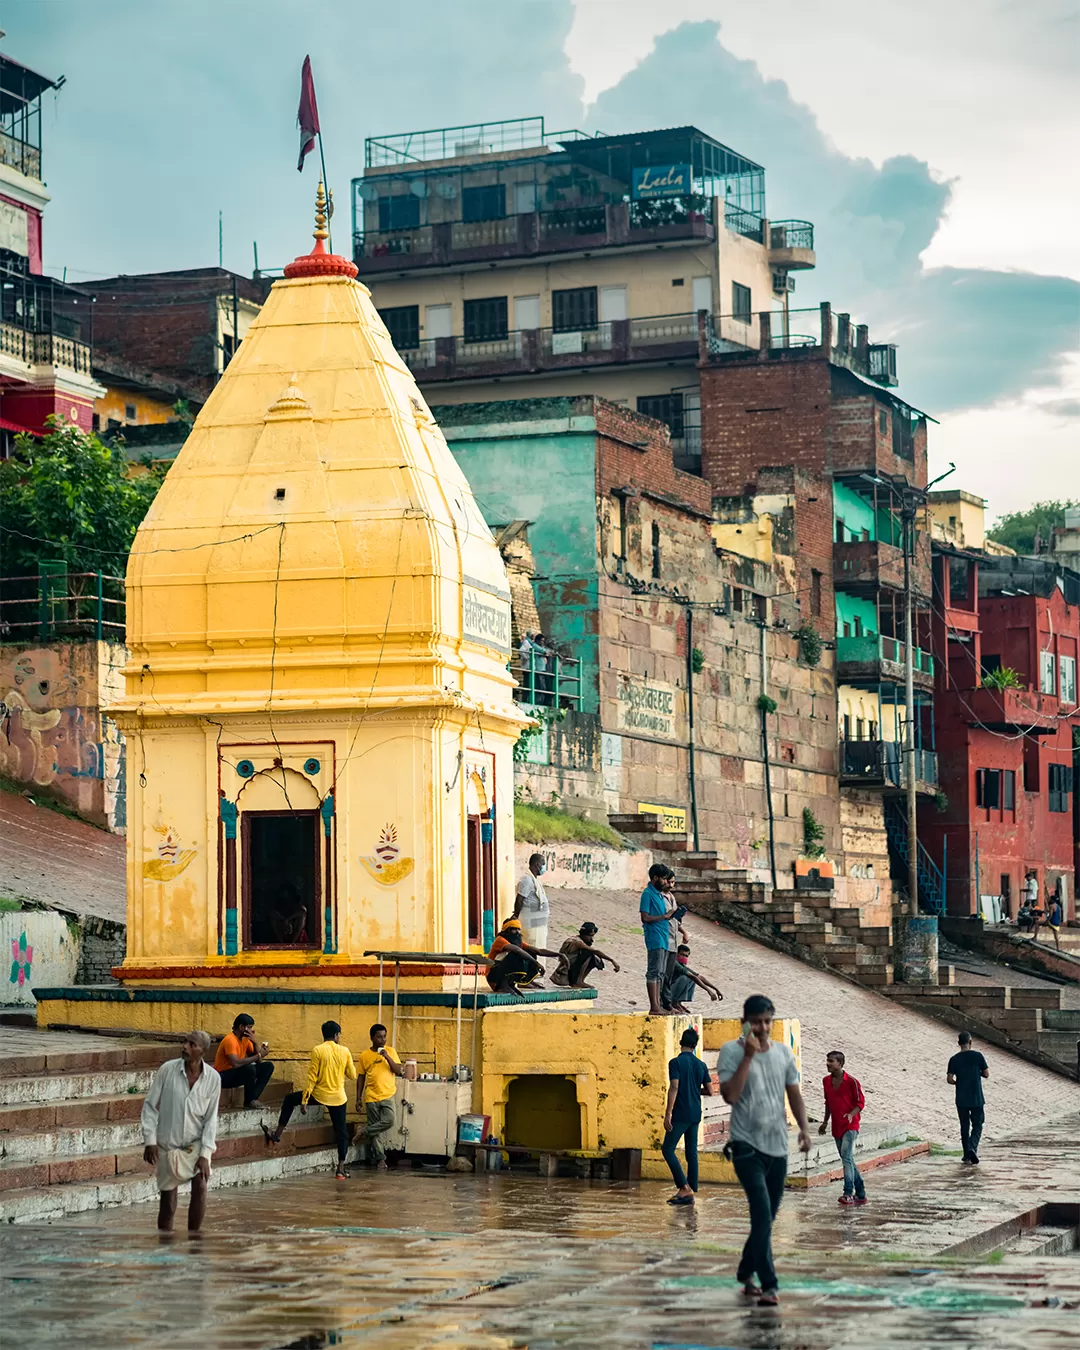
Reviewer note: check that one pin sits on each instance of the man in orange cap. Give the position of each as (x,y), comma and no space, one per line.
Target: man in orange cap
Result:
(512,963)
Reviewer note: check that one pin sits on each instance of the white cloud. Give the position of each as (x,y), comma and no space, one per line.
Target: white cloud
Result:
(981,89)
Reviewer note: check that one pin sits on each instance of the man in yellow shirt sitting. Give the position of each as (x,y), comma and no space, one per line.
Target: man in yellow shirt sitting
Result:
(377,1069)
(331,1063)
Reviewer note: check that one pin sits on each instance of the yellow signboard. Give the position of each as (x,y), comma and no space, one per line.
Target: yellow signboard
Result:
(672,818)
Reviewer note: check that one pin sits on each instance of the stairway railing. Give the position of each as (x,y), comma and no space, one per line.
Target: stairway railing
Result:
(930,876)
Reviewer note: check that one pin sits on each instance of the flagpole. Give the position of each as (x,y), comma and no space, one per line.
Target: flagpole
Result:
(329,213)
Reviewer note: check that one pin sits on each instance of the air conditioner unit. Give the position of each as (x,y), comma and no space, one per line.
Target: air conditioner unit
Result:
(782,283)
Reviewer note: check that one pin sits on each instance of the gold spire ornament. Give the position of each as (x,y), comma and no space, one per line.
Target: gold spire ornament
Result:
(321,232)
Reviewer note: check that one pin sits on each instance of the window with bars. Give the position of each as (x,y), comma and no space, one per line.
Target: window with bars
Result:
(399,213)
(574,311)
(484,203)
(1060,785)
(403,325)
(1047,673)
(741,303)
(1008,790)
(666,408)
(486,320)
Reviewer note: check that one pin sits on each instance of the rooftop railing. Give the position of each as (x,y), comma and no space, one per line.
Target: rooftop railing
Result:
(547,680)
(20,155)
(56,603)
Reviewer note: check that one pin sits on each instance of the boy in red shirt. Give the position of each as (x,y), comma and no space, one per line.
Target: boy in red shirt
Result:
(844,1102)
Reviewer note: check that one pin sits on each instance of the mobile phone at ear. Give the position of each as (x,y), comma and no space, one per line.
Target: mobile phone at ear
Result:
(746,1030)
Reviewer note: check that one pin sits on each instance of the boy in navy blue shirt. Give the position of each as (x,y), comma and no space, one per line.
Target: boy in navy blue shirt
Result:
(690,1081)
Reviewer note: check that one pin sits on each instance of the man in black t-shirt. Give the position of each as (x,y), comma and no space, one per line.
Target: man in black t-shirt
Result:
(967,1069)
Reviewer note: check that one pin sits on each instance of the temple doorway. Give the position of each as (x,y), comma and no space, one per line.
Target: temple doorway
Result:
(281,878)
(480,879)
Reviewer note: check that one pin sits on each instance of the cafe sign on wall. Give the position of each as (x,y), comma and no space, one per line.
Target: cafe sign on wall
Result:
(662,180)
(648,707)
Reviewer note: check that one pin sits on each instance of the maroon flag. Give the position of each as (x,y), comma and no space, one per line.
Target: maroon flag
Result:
(308,114)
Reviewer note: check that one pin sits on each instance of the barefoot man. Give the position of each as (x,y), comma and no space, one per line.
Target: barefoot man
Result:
(179,1125)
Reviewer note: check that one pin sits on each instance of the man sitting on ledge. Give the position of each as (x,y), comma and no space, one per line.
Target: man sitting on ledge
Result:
(512,964)
(240,1063)
(580,958)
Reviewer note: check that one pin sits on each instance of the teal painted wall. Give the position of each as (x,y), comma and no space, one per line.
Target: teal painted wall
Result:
(856,513)
(542,471)
(850,607)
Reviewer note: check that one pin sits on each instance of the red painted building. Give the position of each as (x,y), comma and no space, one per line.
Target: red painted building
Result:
(1006,753)
(45,326)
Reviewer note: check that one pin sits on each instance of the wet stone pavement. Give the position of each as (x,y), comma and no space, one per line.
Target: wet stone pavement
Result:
(416,1259)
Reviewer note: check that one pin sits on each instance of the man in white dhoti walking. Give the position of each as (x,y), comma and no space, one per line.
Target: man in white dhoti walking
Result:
(179,1125)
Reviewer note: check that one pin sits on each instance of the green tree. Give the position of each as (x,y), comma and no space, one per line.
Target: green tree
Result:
(1017,530)
(66,497)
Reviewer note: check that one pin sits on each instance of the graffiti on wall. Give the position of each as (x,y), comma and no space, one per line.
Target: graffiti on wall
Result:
(52,732)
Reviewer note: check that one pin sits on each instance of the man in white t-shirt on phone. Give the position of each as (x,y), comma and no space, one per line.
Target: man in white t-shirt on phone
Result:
(756,1074)
(531,904)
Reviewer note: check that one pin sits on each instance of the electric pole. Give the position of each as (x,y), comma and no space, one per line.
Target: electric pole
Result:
(908,522)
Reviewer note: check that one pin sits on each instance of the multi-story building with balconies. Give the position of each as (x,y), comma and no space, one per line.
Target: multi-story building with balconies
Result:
(44,326)
(512,262)
(809,454)
(1006,639)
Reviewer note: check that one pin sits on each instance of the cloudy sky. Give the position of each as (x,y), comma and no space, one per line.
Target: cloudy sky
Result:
(930,143)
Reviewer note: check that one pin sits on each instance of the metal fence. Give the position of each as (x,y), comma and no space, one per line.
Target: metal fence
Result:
(547,680)
(58,603)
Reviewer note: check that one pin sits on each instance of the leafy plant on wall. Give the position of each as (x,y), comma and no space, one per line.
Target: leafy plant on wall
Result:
(810,643)
(813,834)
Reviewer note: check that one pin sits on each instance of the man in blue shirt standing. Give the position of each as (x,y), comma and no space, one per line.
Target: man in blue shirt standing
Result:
(690,1081)
(657,912)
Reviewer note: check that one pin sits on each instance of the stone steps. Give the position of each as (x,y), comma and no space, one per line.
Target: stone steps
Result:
(42,1203)
(70,1137)
(84,1164)
(117,1135)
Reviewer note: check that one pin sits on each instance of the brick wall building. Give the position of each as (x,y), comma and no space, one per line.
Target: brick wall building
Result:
(631,582)
(807,451)
(1008,754)
(181,325)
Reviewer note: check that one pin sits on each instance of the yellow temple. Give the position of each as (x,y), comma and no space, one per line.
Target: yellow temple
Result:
(318,708)
(320,725)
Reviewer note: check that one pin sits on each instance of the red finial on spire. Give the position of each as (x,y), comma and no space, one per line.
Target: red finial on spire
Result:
(319,263)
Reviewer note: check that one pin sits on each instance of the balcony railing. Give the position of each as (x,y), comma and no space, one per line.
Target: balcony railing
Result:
(589,225)
(657,337)
(547,680)
(743,222)
(863,565)
(881,762)
(20,155)
(874,649)
(56,603)
(44,349)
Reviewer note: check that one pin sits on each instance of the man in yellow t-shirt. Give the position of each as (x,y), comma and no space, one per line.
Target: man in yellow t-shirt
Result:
(331,1063)
(376,1070)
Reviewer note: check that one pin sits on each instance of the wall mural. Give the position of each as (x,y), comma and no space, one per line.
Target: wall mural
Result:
(386,866)
(170,859)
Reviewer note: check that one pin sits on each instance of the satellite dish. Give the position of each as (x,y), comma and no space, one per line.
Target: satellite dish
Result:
(368,192)
(418,187)
(446,188)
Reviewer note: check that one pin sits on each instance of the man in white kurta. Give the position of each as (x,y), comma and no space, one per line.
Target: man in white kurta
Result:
(179,1125)
(531,904)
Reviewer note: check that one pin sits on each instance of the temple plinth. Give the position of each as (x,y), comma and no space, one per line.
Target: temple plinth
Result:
(319,714)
